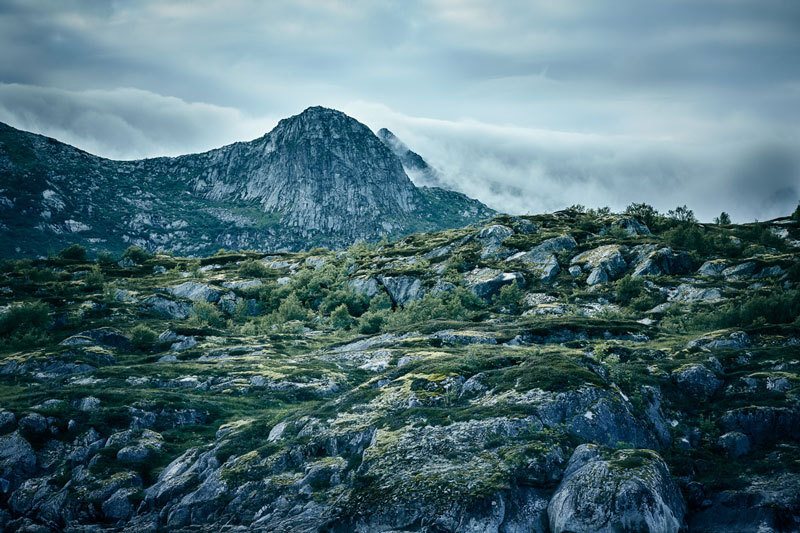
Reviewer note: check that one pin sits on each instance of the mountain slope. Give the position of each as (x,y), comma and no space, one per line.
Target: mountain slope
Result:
(318,178)
(413,163)
(561,372)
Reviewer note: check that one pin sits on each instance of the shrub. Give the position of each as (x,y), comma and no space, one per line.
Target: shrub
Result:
(206,314)
(379,302)
(509,298)
(142,337)
(291,308)
(136,254)
(95,278)
(796,214)
(372,322)
(105,258)
(340,318)
(628,288)
(253,269)
(644,213)
(723,218)
(76,252)
(682,214)
(25,317)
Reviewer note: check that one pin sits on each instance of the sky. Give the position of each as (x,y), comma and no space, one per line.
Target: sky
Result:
(529,106)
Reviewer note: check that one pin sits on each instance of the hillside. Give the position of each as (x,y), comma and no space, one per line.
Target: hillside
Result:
(574,371)
(319,178)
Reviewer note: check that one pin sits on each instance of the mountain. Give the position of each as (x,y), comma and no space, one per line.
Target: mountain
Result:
(571,371)
(319,178)
(414,165)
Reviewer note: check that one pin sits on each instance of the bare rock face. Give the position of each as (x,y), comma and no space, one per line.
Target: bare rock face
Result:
(629,491)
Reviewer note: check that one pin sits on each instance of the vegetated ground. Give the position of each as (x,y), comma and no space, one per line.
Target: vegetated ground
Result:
(411,385)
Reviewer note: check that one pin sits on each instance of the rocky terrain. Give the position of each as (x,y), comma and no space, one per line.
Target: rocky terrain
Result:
(319,178)
(579,371)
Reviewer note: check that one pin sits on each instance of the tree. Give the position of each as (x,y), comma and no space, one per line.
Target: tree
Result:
(136,254)
(75,252)
(142,337)
(796,214)
(644,213)
(722,219)
(682,214)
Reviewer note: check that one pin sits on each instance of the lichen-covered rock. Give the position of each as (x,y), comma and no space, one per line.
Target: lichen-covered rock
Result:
(169,308)
(367,286)
(663,261)
(632,490)
(110,337)
(596,276)
(543,264)
(738,339)
(606,260)
(17,461)
(486,282)
(740,271)
(7,421)
(713,268)
(687,293)
(403,289)
(763,424)
(697,380)
(492,237)
(197,292)
(735,443)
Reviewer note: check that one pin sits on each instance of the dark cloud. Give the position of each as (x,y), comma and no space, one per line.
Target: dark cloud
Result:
(528,105)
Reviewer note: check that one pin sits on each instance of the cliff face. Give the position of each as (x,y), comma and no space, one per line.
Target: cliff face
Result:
(318,178)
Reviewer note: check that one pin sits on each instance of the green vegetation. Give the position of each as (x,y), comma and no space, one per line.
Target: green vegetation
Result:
(136,254)
(75,252)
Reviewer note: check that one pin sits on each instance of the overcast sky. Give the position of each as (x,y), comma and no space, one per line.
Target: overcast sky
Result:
(529,106)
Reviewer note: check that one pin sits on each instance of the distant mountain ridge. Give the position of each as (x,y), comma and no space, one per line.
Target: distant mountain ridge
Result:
(320,178)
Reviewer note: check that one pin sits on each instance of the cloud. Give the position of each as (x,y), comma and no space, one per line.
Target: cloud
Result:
(126,123)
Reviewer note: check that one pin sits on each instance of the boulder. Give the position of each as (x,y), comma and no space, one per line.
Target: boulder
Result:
(17,461)
(697,380)
(450,336)
(629,226)
(8,422)
(606,258)
(402,289)
(555,245)
(492,237)
(90,403)
(735,443)
(106,336)
(197,292)
(631,490)
(598,275)
(33,426)
(663,261)
(688,293)
(713,268)
(119,506)
(740,271)
(243,284)
(368,286)
(169,308)
(543,264)
(763,424)
(738,339)
(486,282)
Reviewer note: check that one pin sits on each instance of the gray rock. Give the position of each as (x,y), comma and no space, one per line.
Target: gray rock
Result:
(774,271)
(368,286)
(442,287)
(33,425)
(598,275)
(8,422)
(741,271)
(403,289)
(17,461)
(486,282)
(90,403)
(630,491)
(169,308)
(697,380)
(763,424)
(243,284)
(110,337)
(687,293)
(606,258)
(575,271)
(737,339)
(197,292)
(544,265)
(492,237)
(735,443)
(118,506)
(630,226)
(713,268)
(555,245)
(450,336)
(663,261)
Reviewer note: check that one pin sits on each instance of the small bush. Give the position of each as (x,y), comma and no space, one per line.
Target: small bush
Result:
(291,308)
(136,254)
(76,252)
(723,218)
(628,288)
(380,302)
(509,298)
(25,317)
(644,213)
(372,322)
(95,278)
(340,318)
(253,269)
(142,337)
(105,258)
(207,314)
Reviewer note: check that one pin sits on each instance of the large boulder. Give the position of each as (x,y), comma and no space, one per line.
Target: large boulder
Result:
(403,289)
(17,461)
(688,293)
(492,237)
(605,262)
(169,308)
(486,282)
(544,265)
(763,424)
(740,271)
(697,380)
(713,268)
(367,286)
(663,261)
(197,292)
(631,490)
(629,226)
(106,336)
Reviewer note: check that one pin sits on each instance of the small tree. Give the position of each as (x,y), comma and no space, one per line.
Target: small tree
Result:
(509,298)
(644,213)
(142,337)
(722,219)
(682,214)
(136,254)
(95,278)
(340,318)
(291,308)
(796,214)
(75,252)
